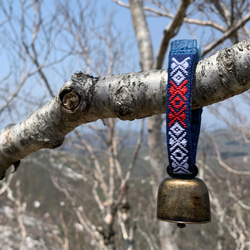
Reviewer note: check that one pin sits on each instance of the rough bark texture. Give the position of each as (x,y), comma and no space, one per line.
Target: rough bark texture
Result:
(222,75)
(127,96)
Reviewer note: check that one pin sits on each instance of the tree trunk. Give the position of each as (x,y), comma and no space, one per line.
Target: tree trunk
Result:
(167,241)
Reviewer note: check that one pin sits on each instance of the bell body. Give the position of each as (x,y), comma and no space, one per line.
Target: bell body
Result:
(183,201)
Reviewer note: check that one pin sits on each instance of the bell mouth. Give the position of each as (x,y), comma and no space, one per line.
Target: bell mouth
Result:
(182,224)
(183,221)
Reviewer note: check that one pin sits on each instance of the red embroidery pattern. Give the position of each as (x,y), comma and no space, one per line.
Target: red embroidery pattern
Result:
(177,100)
(178,90)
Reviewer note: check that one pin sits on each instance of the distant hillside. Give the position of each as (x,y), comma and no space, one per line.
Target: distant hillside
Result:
(39,209)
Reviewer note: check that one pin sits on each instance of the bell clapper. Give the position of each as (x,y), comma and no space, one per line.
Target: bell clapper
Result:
(181,225)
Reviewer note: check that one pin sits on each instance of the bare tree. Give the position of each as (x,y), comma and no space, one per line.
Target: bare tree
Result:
(85,99)
(31,50)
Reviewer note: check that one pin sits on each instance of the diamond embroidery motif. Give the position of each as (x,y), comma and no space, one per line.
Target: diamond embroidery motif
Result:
(177,129)
(177,102)
(178,154)
(178,78)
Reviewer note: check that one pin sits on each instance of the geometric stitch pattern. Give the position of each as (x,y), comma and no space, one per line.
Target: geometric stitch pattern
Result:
(177,117)
(179,90)
(178,77)
(179,67)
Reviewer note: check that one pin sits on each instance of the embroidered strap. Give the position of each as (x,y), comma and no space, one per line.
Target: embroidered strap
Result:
(183,125)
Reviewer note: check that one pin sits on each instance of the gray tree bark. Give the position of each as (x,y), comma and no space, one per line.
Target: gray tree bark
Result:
(127,96)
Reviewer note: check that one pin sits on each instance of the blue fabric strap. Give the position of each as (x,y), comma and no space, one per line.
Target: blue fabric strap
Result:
(183,125)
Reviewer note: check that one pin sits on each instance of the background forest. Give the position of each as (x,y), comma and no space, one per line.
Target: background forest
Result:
(98,190)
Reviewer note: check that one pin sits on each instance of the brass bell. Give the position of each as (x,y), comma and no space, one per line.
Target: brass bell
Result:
(183,201)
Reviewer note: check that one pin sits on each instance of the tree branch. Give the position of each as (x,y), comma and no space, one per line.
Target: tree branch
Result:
(130,96)
(171,31)
(227,34)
